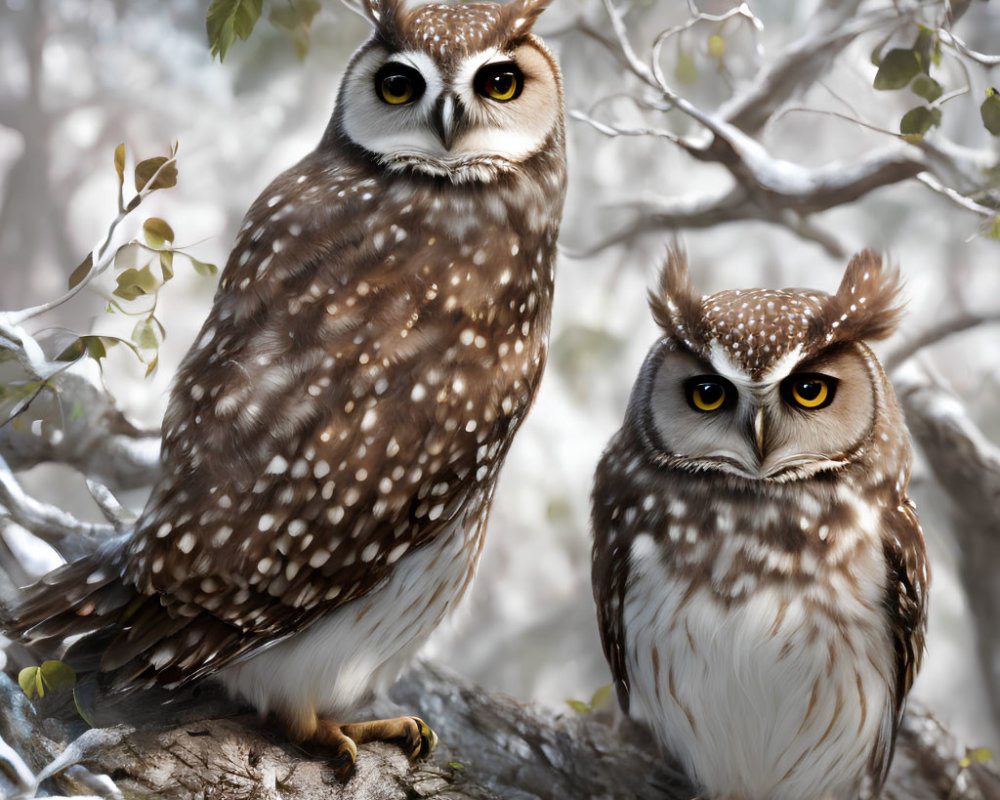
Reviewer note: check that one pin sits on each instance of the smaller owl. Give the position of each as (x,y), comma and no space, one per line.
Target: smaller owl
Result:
(758,568)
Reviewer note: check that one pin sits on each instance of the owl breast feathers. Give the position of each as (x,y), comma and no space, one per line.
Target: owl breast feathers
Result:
(758,568)
(334,436)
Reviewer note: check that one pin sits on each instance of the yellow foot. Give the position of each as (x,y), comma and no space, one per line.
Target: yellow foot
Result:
(410,733)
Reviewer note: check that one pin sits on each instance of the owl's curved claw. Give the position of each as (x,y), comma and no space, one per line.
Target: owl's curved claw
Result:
(411,733)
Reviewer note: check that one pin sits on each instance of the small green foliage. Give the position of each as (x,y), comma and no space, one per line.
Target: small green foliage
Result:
(228,19)
(157,232)
(601,699)
(296,19)
(202,268)
(926,87)
(917,121)
(992,228)
(975,755)
(142,267)
(456,765)
(120,163)
(897,69)
(716,47)
(81,271)
(159,172)
(685,70)
(990,111)
(52,676)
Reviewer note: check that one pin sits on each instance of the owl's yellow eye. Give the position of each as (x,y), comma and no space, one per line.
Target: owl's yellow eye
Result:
(500,82)
(709,393)
(809,390)
(397,84)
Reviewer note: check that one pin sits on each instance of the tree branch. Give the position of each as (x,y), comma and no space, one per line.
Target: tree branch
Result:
(967,466)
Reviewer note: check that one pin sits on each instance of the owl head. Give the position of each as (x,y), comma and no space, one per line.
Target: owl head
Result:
(463,91)
(767,384)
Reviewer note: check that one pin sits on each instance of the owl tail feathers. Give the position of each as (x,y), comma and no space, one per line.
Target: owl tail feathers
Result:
(83,597)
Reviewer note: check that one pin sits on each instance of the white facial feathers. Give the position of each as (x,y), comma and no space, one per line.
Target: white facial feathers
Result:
(490,136)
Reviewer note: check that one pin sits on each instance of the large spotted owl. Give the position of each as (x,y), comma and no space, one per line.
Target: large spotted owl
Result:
(759,571)
(332,442)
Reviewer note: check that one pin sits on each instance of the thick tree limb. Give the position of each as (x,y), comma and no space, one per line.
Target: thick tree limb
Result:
(492,747)
(967,466)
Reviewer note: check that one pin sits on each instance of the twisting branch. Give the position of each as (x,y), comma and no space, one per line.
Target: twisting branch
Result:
(61,530)
(766,187)
(967,466)
(937,333)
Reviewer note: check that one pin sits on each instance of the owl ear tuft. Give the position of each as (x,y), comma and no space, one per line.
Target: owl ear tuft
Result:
(867,305)
(519,17)
(676,306)
(383,14)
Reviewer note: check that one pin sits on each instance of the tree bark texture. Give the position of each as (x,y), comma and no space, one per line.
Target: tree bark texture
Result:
(491,747)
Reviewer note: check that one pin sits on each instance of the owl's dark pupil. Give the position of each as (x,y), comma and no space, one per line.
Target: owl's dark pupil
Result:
(710,393)
(809,390)
(395,85)
(502,83)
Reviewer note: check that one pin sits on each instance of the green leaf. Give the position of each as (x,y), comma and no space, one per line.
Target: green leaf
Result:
(26,680)
(135,282)
(57,675)
(94,346)
(81,271)
(992,228)
(578,706)
(157,232)
(120,163)
(975,755)
(917,121)
(602,697)
(296,19)
(145,170)
(926,87)
(990,111)
(228,19)
(151,367)
(716,46)
(456,765)
(203,268)
(686,71)
(897,69)
(144,334)
(167,264)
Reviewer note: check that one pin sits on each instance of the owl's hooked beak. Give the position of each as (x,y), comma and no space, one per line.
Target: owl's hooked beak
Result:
(758,432)
(447,118)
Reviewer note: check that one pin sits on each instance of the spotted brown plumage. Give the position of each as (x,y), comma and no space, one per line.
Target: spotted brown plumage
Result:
(759,571)
(334,436)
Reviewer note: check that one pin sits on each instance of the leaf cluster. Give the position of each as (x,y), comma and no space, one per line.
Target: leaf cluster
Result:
(910,68)
(143,267)
(228,20)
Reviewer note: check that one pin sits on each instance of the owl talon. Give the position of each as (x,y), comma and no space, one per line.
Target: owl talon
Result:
(411,733)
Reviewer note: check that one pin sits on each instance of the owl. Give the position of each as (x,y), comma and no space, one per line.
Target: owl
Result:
(333,438)
(758,568)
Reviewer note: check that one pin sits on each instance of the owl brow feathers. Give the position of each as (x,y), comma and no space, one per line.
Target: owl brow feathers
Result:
(389,16)
(865,306)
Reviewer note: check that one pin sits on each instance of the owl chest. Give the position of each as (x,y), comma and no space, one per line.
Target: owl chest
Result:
(780,692)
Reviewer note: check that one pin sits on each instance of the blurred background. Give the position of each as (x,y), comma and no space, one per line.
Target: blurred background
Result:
(78,77)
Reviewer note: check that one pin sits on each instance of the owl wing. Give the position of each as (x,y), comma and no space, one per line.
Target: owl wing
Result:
(906,605)
(312,437)
(610,565)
